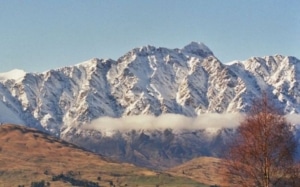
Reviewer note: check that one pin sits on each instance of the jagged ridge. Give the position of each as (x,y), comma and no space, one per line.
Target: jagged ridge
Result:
(146,80)
(150,80)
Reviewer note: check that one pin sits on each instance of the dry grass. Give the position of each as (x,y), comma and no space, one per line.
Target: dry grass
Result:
(27,155)
(207,170)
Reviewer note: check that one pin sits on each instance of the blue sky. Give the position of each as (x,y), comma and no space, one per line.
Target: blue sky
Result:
(39,35)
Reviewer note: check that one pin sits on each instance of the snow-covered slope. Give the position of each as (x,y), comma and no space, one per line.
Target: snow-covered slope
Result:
(13,74)
(147,80)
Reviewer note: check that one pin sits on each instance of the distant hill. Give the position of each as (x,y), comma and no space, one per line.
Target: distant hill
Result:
(27,155)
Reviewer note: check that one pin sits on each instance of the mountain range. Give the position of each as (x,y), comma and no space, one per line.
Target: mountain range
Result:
(147,81)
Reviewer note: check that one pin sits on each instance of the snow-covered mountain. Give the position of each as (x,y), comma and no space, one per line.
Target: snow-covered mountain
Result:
(149,81)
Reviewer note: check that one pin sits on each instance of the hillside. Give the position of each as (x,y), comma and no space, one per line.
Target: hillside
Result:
(27,155)
(207,170)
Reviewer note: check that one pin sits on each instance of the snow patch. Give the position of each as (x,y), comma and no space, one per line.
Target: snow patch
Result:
(233,62)
(15,74)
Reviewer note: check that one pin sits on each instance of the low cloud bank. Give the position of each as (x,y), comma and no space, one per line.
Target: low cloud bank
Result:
(173,121)
(293,118)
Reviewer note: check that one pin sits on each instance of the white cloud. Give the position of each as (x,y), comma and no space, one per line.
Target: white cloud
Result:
(173,121)
(293,118)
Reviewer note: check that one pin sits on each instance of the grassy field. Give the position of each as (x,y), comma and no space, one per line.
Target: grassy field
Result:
(27,156)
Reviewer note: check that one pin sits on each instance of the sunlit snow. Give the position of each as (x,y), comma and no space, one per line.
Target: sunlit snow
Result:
(15,74)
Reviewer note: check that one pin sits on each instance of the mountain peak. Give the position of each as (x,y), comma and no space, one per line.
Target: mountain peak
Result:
(13,74)
(198,49)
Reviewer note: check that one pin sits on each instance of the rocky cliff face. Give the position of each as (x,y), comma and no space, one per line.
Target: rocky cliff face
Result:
(149,81)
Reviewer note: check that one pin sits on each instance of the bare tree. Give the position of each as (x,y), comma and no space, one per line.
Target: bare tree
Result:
(262,152)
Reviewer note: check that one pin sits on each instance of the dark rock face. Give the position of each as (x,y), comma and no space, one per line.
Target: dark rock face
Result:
(157,149)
